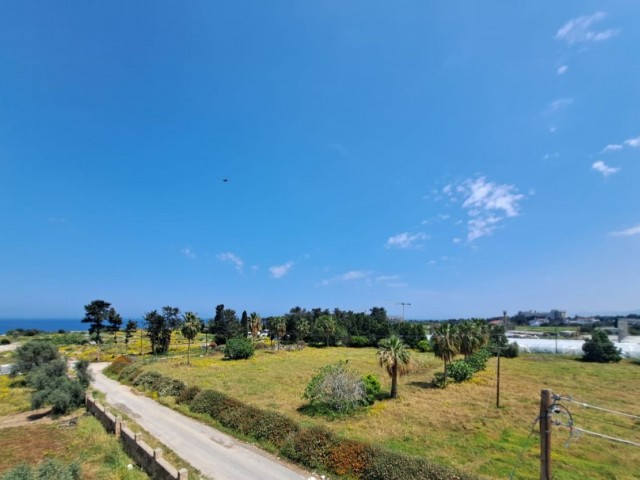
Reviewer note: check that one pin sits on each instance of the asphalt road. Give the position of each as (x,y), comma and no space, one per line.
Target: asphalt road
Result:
(216,455)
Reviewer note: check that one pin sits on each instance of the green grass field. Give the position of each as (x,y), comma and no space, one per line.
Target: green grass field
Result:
(458,426)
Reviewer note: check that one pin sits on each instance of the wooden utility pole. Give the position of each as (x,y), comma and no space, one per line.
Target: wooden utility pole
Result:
(498,380)
(546,400)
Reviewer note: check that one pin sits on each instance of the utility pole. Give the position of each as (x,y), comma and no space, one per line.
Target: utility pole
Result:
(498,379)
(546,400)
(403,305)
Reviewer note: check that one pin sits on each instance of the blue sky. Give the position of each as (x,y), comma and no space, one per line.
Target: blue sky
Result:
(465,157)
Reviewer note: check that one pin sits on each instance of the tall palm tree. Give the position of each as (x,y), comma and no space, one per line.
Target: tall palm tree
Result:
(470,337)
(280,324)
(445,344)
(190,328)
(394,356)
(255,323)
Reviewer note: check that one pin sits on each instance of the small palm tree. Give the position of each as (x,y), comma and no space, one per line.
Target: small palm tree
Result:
(471,337)
(445,344)
(394,356)
(190,329)
(255,322)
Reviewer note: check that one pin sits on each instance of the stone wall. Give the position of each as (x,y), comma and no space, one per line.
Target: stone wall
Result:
(150,460)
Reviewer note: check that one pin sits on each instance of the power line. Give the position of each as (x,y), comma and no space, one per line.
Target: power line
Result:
(586,405)
(525,446)
(606,437)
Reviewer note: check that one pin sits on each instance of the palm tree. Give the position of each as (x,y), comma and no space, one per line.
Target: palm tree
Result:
(255,322)
(327,325)
(472,336)
(445,344)
(280,324)
(394,356)
(190,329)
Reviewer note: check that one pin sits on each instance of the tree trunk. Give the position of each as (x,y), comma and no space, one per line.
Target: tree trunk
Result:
(445,373)
(189,352)
(394,383)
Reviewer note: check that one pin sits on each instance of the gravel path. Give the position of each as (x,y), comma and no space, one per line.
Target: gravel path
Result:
(216,455)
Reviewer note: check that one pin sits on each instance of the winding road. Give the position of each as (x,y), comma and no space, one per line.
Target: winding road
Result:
(215,454)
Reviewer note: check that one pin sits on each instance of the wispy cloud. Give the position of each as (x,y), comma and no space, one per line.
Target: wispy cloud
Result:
(232,258)
(579,30)
(487,204)
(632,142)
(562,69)
(279,271)
(626,233)
(558,104)
(612,147)
(350,276)
(604,169)
(188,253)
(387,278)
(406,240)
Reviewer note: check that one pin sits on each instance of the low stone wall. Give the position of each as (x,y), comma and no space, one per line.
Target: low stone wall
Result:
(150,460)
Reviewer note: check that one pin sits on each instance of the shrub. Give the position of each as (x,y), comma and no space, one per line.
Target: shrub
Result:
(371,388)
(205,401)
(170,387)
(460,371)
(423,346)
(188,394)
(118,364)
(5,341)
(311,447)
(335,389)
(148,380)
(130,373)
(358,341)
(600,349)
(348,457)
(512,351)
(478,361)
(272,426)
(386,465)
(438,380)
(48,470)
(238,348)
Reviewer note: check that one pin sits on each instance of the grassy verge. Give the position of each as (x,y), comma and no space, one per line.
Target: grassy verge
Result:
(99,454)
(459,426)
(13,397)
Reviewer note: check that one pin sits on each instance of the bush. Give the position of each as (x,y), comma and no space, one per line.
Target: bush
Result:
(117,365)
(205,401)
(148,380)
(188,394)
(371,388)
(5,341)
(130,373)
(460,371)
(512,351)
(478,361)
(32,355)
(336,389)
(48,470)
(238,348)
(349,457)
(438,380)
(600,349)
(170,387)
(311,447)
(423,346)
(359,342)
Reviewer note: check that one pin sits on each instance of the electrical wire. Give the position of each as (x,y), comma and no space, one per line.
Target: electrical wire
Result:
(525,446)
(586,405)
(607,437)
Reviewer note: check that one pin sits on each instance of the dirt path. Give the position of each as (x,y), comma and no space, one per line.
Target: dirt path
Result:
(31,417)
(216,455)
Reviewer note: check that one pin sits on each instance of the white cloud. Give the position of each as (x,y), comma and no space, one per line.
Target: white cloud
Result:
(632,142)
(604,169)
(352,276)
(612,147)
(387,278)
(562,69)
(558,104)
(188,253)
(406,240)
(627,233)
(233,258)
(578,30)
(279,271)
(488,204)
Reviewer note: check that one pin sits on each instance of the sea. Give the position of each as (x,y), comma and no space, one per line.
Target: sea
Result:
(46,325)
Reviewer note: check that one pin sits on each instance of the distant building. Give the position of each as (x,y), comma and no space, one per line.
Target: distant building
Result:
(536,319)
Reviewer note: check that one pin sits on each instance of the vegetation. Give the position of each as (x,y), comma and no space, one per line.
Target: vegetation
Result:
(238,349)
(49,469)
(160,326)
(97,314)
(190,328)
(336,389)
(395,358)
(600,349)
